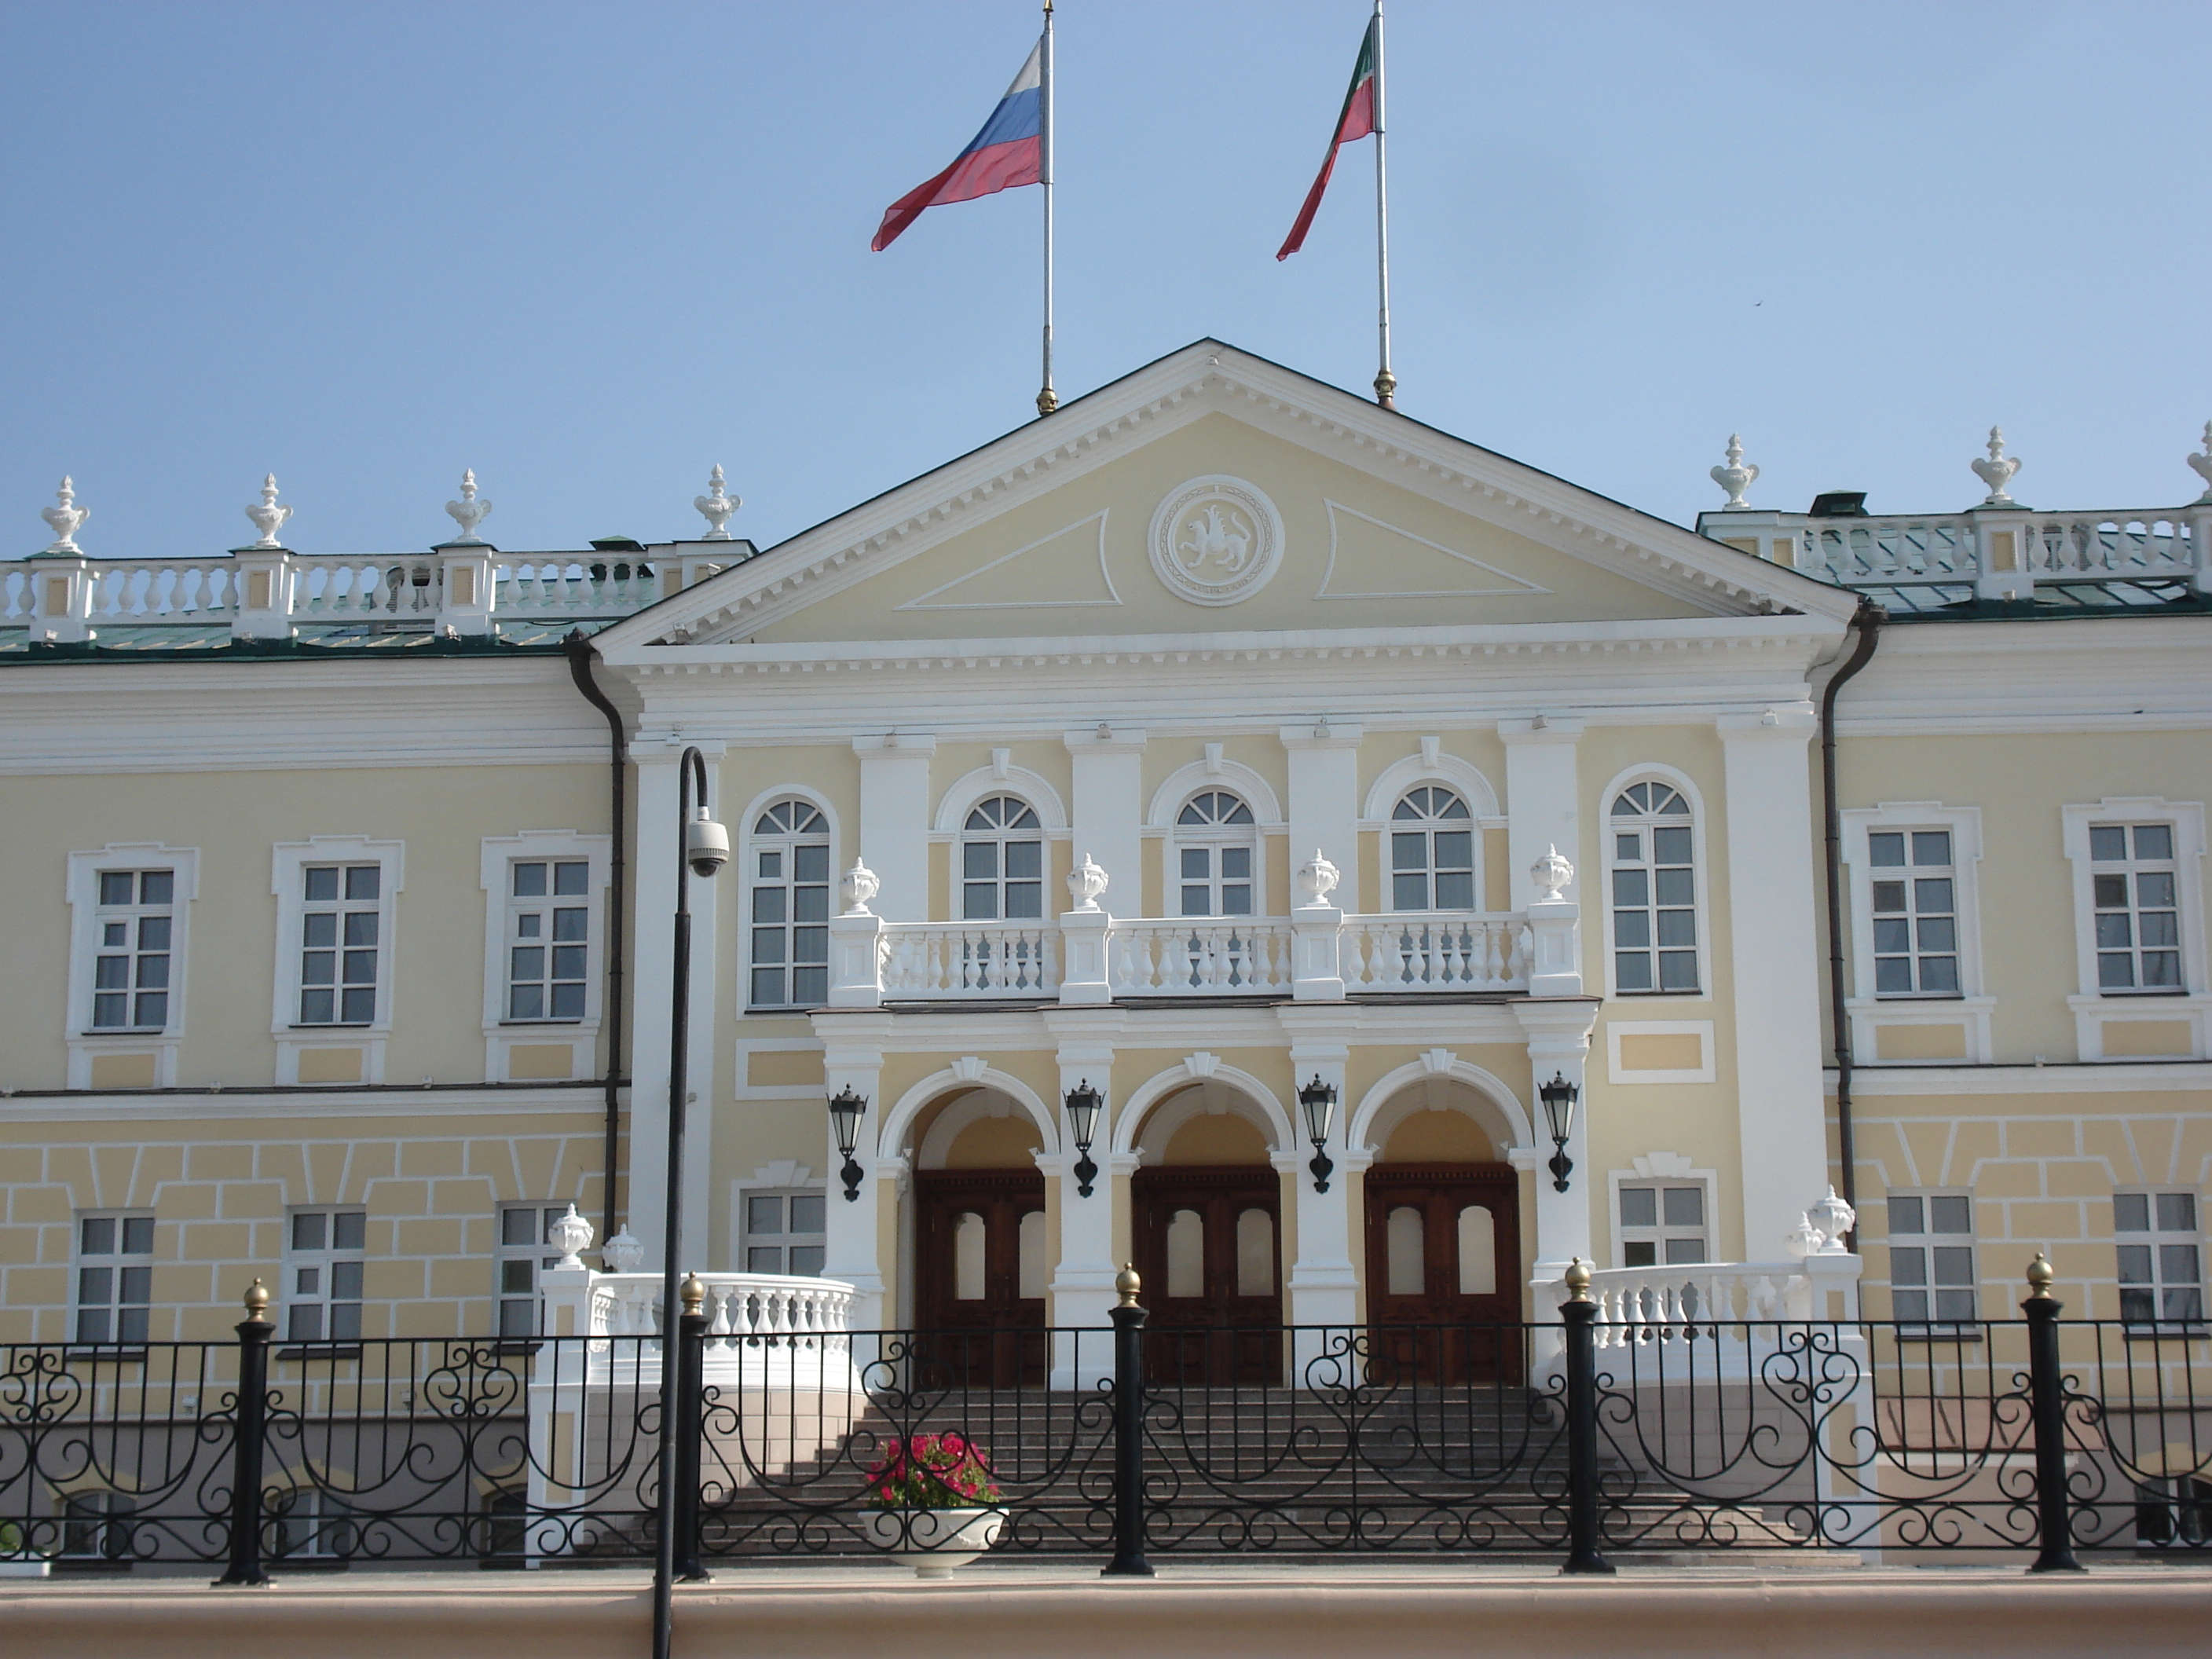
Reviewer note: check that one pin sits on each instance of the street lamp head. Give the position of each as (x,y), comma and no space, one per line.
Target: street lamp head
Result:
(1084,1104)
(706,845)
(846,1110)
(1559,1097)
(1317,1101)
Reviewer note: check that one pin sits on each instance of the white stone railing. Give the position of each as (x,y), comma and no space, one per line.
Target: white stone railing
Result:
(982,961)
(764,1330)
(1436,952)
(1199,957)
(738,1307)
(1637,1306)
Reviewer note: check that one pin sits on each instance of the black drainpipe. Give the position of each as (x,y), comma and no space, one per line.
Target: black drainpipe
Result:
(579,653)
(1866,624)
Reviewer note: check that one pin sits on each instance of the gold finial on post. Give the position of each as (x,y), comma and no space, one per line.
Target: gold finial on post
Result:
(2040,1278)
(1128,1284)
(1578,1281)
(693,1293)
(257,1301)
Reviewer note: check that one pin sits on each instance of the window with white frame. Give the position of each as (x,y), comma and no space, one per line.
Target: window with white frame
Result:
(790,854)
(2134,882)
(325,1256)
(1431,851)
(1661,1222)
(522,1255)
(341,927)
(1914,895)
(114,1278)
(1654,891)
(1931,1258)
(2161,1258)
(313,1524)
(1216,847)
(785,1233)
(135,923)
(549,927)
(1001,861)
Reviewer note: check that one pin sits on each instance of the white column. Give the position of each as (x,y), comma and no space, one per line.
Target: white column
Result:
(853,1058)
(1559,1035)
(894,829)
(1774,965)
(1082,1279)
(1323,1283)
(1542,807)
(1323,810)
(1107,809)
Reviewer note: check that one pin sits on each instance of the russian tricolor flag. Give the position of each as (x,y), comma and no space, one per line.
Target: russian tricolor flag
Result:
(1008,152)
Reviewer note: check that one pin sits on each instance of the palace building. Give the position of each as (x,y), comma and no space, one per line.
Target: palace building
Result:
(1196,827)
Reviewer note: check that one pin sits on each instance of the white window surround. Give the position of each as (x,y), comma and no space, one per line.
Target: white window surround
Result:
(82,892)
(1431,766)
(1670,1168)
(1617,1071)
(1183,785)
(1000,778)
(780,1175)
(288,860)
(1217,836)
(1700,832)
(2095,1011)
(498,854)
(1973,1006)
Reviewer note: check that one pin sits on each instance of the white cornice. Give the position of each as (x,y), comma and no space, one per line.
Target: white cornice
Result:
(2131,674)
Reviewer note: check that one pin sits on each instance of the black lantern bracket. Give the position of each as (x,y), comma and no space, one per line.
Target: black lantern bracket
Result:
(1083,1103)
(1317,1100)
(846,1110)
(1559,1097)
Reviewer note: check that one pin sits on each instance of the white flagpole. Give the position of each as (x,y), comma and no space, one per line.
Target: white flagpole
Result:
(1386,383)
(1046,399)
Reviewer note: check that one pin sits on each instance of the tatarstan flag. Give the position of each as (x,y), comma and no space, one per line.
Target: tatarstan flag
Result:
(1356,120)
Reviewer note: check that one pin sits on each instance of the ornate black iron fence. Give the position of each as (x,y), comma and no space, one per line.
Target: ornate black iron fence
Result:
(1576,1440)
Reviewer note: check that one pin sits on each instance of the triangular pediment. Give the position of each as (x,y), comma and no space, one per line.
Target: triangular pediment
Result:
(1213,492)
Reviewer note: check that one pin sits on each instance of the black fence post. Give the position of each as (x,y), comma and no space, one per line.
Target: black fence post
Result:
(246,1427)
(2046,1393)
(691,1424)
(1128,1318)
(1579,1314)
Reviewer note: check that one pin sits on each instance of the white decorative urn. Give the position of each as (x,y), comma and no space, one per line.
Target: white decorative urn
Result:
(2200,465)
(268,518)
(1085,883)
(65,517)
(859,885)
(1317,878)
(469,511)
(1997,472)
(1835,1217)
(1802,1240)
(571,1235)
(623,1253)
(716,505)
(1551,873)
(1735,476)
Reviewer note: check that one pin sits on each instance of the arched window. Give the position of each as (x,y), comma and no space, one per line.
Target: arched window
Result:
(790,851)
(1655,890)
(1432,852)
(1002,862)
(1214,852)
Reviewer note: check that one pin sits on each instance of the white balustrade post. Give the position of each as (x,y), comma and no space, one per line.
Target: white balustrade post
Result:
(61,598)
(1555,965)
(856,944)
(262,584)
(2200,539)
(1085,934)
(2004,551)
(466,586)
(1318,935)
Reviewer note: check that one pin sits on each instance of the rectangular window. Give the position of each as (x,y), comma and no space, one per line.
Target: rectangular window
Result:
(323,1264)
(1662,1222)
(96,1526)
(313,1523)
(548,941)
(338,927)
(135,919)
(523,1253)
(790,925)
(1931,1259)
(114,1278)
(784,1233)
(1916,912)
(1206,894)
(2161,1258)
(2135,881)
(1655,915)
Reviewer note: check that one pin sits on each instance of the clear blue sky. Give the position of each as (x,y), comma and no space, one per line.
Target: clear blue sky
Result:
(590,250)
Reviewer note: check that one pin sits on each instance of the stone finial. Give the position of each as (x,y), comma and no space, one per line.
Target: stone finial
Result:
(268,518)
(257,1301)
(692,1291)
(66,518)
(716,505)
(1998,471)
(860,884)
(2040,1278)
(1802,1240)
(1578,1281)
(1128,1284)
(1834,1217)
(624,1253)
(469,511)
(2200,465)
(1085,883)
(571,1235)
(1736,476)
(1551,873)
(1317,878)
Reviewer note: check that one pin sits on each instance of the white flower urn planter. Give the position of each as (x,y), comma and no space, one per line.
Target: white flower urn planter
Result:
(933,1541)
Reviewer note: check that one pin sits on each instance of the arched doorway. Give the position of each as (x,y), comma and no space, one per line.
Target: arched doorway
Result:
(982,1257)
(1444,1245)
(1205,1218)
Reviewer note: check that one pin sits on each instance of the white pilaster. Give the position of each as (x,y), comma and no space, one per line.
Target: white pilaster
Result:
(895,821)
(1774,958)
(1323,1285)
(1323,808)
(1559,1035)
(853,1058)
(1543,808)
(1082,1280)
(1107,809)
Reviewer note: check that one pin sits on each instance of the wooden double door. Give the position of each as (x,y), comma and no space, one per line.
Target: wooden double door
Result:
(1443,1272)
(980,1272)
(1208,1243)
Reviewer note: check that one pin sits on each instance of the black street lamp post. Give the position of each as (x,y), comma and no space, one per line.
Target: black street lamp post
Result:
(1317,1100)
(846,1111)
(1082,1105)
(703,847)
(1559,1097)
